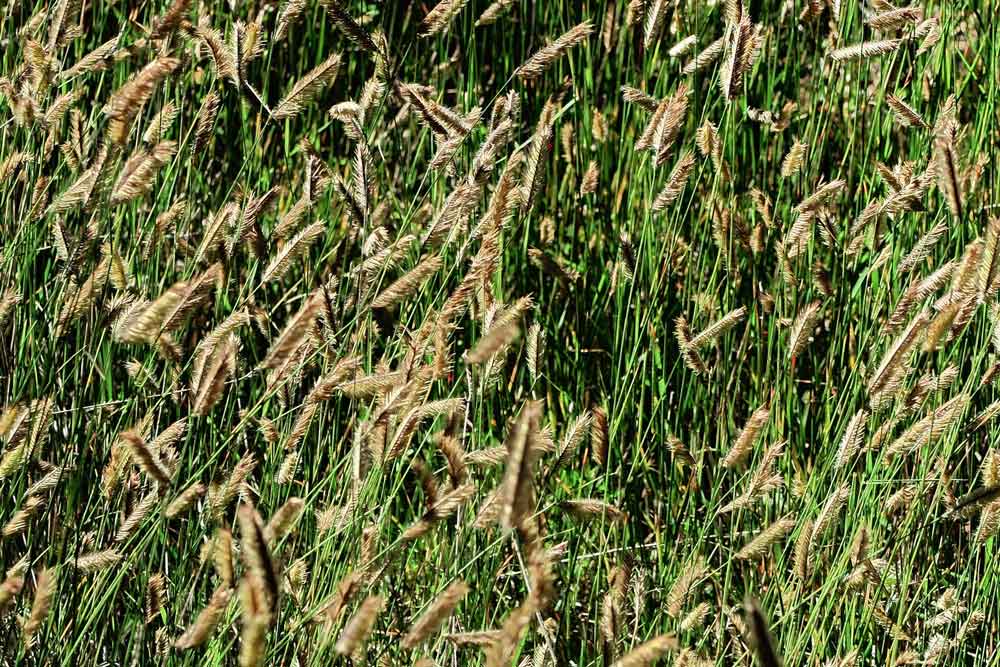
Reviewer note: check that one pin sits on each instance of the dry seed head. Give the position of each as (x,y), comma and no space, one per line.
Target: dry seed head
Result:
(408,284)
(894,19)
(306,89)
(184,500)
(649,652)
(590,509)
(436,615)
(96,561)
(136,517)
(516,497)
(18,523)
(45,590)
(536,65)
(283,521)
(922,249)
(493,12)
(635,96)
(743,445)
(683,46)
(439,18)
(854,435)
(358,629)
(794,159)
(801,330)
(257,555)
(866,49)
(292,251)
(760,546)
(706,57)
(830,513)
(675,183)
(208,619)
(906,115)
(678,594)
(145,458)
(719,327)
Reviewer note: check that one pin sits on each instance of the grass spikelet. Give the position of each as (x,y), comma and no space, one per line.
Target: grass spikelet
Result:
(830,514)
(802,328)
(922,249)
(760,546)
(689,353)
(854,435)
(599,435)
(125,103)
(160,123)
(283,521)
(866,50)
(592,509)
(504,329)
(803,551)
(742,45)
(635,96)
(145,458)
(536,65)
(291,251)
(184,500)
(95,561)
(740,451)
(675,183)
(533,173)
(205,124)
(170,309)
(822,195)
(893,360)
(517,495)
(905,115)
(358,629)
(649,652)
(588,182)
(349,26)
(18,523)
(438,612)
(408,284)
(894,19)
(794,159)
(493,12)
(97,59)
(292,336)
(45,591)
(760,636)
(947,163)
(135,518)
(218,366)
(289,14)
(705,57)
(208,619)
(988,272)
(719,327)
(683,46)
(656,14)
(441,15)
(372,385)
(677,596)
(306,89)
(764,479)
(256,619)
(930,427)
(257,555)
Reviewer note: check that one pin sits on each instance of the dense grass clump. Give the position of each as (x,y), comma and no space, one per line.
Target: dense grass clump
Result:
(575,332)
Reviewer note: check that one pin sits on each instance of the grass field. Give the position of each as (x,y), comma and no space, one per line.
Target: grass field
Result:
(567,332)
